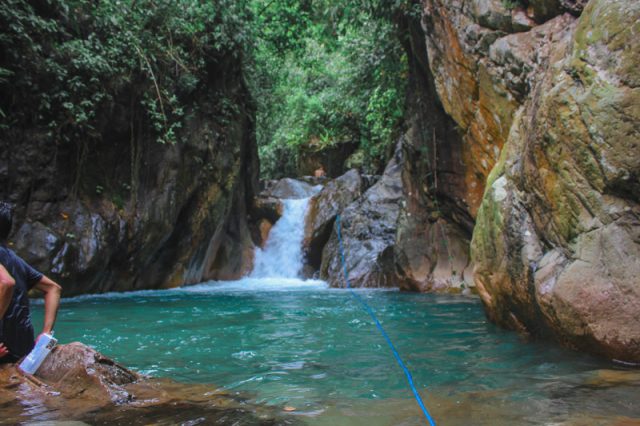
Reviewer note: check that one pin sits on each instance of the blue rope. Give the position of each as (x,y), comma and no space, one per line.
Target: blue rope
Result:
(382,331)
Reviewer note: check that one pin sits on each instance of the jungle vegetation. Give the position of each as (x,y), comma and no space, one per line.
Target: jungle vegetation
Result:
(321,72)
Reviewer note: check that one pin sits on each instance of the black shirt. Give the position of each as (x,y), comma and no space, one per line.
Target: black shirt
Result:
(16,330)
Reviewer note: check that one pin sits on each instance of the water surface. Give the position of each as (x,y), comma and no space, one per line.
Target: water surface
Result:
(286,342)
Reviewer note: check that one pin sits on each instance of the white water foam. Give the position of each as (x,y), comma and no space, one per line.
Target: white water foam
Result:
(282,255)
(246,284)
(258,284)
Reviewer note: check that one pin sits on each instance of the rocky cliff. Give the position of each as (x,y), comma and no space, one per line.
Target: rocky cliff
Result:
(544,95)
(412,228)
(523,129)
(114,207)
(187,224)
(557,240)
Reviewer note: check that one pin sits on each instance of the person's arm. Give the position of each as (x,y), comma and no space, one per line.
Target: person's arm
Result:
(6,290)
(51,292)
(7,283)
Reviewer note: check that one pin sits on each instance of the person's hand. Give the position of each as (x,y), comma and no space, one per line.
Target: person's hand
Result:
(3,350)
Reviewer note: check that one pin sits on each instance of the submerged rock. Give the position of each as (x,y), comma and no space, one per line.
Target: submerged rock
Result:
(77,383)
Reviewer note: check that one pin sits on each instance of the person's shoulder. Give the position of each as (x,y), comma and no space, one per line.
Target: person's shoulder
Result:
(8,255)
(5,252)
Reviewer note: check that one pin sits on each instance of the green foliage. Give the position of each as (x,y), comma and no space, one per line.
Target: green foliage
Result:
(322,72)
(68,60)
(326,73)
(512,4)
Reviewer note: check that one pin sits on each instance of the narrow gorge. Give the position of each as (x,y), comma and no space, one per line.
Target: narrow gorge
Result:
(483,157)
(522,137)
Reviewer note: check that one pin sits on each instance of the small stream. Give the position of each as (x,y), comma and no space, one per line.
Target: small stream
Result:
(286,342)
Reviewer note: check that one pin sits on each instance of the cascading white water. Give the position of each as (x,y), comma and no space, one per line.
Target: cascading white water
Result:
(282,255)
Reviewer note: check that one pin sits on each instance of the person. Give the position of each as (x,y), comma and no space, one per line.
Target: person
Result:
(6,294)
(17,277)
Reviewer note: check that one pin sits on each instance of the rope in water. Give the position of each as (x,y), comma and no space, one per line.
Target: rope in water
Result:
(367,308)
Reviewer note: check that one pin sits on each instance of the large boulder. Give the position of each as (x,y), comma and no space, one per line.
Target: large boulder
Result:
(557,240)
(322,211)
(76,383)
(368,229)
(86,377)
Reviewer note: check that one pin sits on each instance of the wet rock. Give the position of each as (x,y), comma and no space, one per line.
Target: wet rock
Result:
(76,383)
(81,373)
(557,240)
(269,208)
(434,185)
(263,228)
(264,213)
(368,228)
(322,211)
(289,188)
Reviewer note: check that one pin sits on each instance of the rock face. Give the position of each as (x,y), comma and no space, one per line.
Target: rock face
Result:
(483,74)
(368,228)
(523,131)
(131,213)
(76,383)
(434,227)
(322,211)
(557,243)
(534,134)
(264,214)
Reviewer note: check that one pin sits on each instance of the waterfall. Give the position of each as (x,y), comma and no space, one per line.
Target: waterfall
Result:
(282,254)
